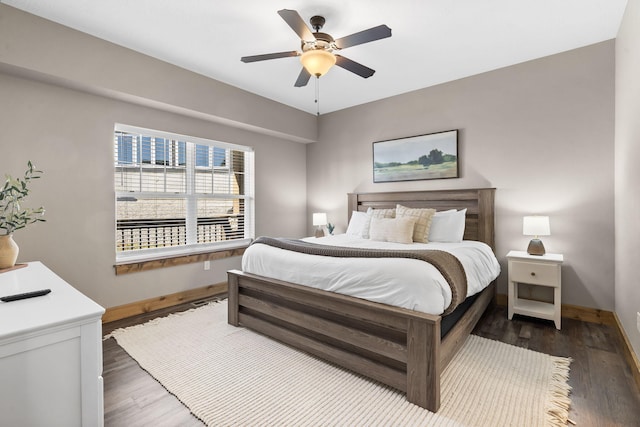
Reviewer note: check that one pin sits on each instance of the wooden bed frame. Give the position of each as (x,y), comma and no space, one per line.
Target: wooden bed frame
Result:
(399,347)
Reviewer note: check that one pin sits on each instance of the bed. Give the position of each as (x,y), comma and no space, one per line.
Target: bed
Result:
(402,348)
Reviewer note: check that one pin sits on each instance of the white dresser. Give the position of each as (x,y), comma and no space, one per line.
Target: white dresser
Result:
(50,353)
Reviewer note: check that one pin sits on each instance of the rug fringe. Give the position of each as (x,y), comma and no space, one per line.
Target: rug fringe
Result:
(559,402)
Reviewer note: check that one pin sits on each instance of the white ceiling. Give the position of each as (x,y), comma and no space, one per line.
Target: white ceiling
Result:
(433,41)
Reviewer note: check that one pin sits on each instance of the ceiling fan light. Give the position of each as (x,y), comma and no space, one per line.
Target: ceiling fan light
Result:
(317,62)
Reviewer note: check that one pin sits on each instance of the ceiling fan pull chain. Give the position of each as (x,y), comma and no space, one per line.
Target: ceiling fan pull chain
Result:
(318,95)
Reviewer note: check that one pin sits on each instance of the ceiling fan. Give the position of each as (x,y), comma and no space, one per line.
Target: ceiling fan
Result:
(318,48)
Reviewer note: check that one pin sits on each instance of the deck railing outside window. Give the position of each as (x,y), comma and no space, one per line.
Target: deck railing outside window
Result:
(134,234)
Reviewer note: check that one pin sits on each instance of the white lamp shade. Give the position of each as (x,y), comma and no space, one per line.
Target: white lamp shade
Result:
(317,61)
(320,218)
(536,225)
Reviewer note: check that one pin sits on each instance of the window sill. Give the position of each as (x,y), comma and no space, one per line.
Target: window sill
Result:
(136,266)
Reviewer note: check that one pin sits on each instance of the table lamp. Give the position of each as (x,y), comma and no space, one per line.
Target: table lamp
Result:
(320,220)
(536,225)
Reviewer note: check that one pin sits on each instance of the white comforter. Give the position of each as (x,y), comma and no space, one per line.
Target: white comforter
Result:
(401,282)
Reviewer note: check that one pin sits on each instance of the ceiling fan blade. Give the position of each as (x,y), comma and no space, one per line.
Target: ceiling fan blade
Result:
(366,36)
(354,67)
(303,78)
(293,19)
(266,56)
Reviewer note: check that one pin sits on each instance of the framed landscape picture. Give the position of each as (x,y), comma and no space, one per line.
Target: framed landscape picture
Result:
(432,156)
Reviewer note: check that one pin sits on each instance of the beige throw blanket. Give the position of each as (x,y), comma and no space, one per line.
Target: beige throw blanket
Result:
(448,265)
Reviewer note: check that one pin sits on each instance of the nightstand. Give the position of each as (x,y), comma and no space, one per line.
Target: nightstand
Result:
(539,270)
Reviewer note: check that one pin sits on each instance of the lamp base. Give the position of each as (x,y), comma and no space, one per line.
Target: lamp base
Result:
(319,232)
(535,247)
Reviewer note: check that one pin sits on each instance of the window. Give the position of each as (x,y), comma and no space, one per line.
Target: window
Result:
(124,147)
(178,195)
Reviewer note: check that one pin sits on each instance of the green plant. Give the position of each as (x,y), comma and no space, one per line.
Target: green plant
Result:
(12,215)
(330,227)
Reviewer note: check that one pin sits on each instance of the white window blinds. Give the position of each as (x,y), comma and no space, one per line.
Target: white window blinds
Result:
(179,195)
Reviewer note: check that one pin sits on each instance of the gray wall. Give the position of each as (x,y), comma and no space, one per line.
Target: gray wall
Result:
(627,155)
(541,132)
(48,51)
(66,129)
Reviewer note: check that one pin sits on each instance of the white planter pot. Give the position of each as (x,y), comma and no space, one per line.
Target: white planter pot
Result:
(8,251)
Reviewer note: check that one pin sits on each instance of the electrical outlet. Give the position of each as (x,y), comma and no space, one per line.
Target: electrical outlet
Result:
(207,265)
(638,321)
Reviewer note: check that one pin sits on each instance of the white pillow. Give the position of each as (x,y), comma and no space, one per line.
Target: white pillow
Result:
(356,223)
(397,230)
(448,226)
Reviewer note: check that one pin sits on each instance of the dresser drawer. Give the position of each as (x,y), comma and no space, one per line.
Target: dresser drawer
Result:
(534,273)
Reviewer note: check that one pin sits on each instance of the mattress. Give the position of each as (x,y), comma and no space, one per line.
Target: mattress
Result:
(401,282)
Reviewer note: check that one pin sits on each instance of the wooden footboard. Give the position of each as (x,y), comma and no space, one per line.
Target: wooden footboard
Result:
(396,346)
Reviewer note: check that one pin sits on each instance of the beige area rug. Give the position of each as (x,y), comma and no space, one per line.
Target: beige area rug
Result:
(230,376)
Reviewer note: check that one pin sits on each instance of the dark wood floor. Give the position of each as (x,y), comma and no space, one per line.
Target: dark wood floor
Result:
(132,398)
(603,394)
(603,390)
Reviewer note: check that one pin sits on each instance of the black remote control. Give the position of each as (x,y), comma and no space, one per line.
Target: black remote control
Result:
(17,297)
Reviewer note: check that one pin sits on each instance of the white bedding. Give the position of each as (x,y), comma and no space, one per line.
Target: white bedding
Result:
(407,283)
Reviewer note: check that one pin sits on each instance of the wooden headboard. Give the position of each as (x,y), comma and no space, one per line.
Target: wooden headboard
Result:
(479,203)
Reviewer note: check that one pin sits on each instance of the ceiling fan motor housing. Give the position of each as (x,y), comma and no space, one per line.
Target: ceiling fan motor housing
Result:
(317,22)
(323,41)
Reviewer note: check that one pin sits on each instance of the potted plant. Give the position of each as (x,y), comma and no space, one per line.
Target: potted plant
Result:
(13,216)
(330,228)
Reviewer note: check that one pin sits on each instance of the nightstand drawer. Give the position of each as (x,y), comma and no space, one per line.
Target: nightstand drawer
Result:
(534,273)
